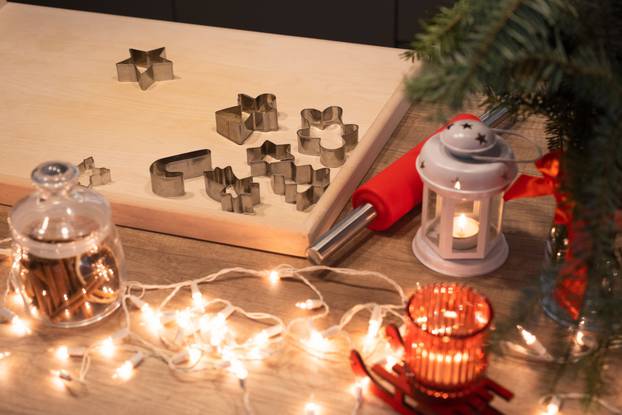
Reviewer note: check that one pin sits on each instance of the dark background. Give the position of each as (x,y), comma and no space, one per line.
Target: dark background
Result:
(378,22)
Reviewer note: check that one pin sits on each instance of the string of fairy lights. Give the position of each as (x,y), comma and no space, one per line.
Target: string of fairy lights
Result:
(198,337)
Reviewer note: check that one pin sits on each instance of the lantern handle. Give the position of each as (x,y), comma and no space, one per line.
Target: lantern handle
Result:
(502,131)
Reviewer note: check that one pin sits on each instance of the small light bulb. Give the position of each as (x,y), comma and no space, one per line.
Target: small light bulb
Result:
(62,353)
(194,354)
(4,355)
(238,369)
(533,342)
(184,319)
(107,347)
(17,299)
(197,298)
(390,361)
(317,341)
(261,339)
(125,371)
(20,327)
(274,277)
(312,408)
(309,304)
(552,405)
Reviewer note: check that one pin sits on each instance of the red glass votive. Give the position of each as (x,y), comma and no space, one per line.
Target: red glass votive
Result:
(444,341)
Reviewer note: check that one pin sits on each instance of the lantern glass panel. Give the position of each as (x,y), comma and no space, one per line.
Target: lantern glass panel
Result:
(433,216)
(495,221)
(466,224)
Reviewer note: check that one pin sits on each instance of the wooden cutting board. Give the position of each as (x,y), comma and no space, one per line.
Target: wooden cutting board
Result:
(60,99)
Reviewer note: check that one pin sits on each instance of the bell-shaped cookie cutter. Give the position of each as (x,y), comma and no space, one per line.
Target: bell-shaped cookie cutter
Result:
(329,157)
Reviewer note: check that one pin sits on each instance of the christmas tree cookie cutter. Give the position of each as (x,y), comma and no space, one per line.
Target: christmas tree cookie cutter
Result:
(221,183)
(98,176)
(255,157)
(285,175)
(329,157)
(262,116)
(145,67)
(168,173)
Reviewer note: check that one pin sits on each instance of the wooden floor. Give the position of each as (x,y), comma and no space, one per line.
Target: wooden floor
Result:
(282,385)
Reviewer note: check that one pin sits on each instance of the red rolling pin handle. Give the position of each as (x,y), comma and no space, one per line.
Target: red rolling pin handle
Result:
(398,188)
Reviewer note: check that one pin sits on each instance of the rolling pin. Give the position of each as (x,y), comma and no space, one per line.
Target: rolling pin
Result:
(386,197)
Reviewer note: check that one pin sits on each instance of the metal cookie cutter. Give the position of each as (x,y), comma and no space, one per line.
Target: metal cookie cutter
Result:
(330,157)
(255,157)
(154,64)
(218,181)
(262,116)
(98,176)
(286,177)
(168,173)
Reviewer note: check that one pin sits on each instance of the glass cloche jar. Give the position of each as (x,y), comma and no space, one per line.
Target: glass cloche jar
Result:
(68,263)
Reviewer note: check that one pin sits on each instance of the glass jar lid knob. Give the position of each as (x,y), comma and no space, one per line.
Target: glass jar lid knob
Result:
(55,175)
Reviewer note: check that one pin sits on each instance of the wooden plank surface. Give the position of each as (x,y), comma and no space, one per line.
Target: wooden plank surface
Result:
(60,96)
(283,385)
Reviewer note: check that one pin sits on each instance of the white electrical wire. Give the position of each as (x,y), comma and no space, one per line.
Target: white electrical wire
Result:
(192,340)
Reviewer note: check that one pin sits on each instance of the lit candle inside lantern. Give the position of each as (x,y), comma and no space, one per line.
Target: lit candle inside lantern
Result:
(444,342)
(465,231)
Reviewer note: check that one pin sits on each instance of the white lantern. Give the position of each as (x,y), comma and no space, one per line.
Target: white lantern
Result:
(465,168)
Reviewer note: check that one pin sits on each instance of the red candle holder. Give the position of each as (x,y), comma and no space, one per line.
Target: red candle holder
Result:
(444,340)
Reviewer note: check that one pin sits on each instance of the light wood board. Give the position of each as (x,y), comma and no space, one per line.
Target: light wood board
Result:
(60,100)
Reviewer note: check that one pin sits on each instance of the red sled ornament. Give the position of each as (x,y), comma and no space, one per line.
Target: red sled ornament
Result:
(397,388)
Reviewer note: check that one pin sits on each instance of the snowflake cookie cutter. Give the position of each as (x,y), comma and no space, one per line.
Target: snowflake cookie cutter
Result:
(168,173)
(145,67)
(329,157)
(262,116)
(98,176)
(287,176)
(218,184)
(255,157)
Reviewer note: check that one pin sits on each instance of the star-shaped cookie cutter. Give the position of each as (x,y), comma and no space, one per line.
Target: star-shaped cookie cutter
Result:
(329,157)
(287,176)
(98,176)
(255,157)
(219,181)
(168,173)
(154,65)
(262,116)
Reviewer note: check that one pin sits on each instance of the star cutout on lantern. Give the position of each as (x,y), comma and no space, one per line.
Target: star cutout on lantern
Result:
(449,126)
(145,67)
(481,139)
(466,125)
(456,183)
(422,164)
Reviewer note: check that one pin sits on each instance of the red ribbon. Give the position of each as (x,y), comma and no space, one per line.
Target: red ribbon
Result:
(570,289)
